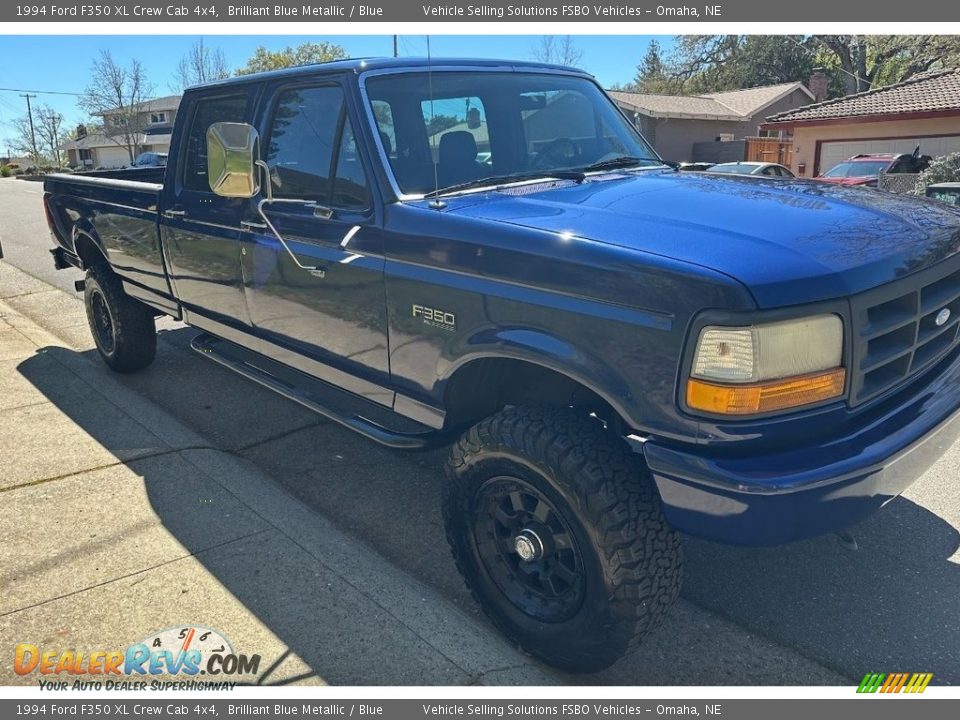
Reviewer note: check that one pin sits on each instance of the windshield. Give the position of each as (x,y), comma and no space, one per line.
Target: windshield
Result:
(736,169)
(457,129)
(858,169)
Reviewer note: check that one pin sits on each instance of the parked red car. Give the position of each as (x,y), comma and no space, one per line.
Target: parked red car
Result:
(865,169)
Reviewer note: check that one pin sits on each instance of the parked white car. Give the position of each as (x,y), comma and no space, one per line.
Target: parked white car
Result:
(752,168)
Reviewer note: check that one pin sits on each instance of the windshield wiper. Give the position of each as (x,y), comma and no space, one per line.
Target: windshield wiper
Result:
(621,161)
(494,180)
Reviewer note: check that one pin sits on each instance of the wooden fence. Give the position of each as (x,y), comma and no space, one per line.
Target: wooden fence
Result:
(773,150)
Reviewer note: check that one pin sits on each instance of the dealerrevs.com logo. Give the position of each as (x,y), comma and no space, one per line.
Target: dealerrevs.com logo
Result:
(186,653)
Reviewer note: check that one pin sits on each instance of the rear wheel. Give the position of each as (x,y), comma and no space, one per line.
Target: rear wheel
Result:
(123,329)
(557,529)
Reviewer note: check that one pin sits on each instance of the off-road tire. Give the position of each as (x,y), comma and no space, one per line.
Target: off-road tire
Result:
(123,328)
(603,494)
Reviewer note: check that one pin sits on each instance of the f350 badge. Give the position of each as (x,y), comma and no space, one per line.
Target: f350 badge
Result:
(436,318)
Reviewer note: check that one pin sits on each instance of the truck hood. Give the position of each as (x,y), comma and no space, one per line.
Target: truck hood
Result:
(788,241)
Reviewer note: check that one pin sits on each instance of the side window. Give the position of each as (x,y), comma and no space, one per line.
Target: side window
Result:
(465,119)
(388,134)
(304,147)
(563,124)
(302,137)
(350,182)
(900,166)
(226,108)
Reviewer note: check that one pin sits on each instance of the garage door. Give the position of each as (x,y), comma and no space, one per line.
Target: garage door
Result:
(113,157)
(833,152)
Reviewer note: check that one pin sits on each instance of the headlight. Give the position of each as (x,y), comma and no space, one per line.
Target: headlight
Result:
(763,368)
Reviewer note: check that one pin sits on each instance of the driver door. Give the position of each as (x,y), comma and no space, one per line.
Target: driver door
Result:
(329,321)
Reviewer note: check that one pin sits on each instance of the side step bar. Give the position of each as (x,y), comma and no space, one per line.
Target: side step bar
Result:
(316,395)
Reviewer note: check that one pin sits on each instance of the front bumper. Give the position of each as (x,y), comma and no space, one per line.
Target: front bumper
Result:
(771,498)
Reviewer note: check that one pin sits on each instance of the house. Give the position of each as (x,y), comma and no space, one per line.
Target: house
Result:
(924,111)
(688,127)
(96,150)
(23,161)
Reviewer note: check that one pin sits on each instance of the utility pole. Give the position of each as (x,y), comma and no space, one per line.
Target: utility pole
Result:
(395,46)
(33,134)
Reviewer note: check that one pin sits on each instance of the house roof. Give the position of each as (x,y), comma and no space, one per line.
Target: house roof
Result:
(168,102)
(96,140)
(933,91)
(736,105)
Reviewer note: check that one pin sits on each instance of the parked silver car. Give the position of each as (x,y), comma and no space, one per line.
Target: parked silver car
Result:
(765,169)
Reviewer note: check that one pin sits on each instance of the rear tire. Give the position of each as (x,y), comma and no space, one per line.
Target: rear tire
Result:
(123,329)
(602,566)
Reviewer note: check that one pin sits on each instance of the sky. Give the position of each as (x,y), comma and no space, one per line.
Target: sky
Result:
(61,63)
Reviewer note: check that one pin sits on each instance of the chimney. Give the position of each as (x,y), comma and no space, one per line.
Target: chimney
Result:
(818,84)
(81,131)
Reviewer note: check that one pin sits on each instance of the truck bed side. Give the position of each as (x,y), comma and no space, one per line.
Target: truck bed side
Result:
(99,214)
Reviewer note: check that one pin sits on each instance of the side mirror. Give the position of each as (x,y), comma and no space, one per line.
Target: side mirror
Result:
(232,155)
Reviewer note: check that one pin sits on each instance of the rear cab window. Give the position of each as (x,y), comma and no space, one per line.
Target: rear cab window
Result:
(206,111)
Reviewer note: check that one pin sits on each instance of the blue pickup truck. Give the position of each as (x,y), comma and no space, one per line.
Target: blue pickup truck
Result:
(487,255)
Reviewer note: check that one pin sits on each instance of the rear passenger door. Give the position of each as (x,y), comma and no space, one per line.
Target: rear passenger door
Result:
(201,230)
(330,322)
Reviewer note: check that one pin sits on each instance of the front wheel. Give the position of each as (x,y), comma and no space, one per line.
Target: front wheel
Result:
(557,529)
(123,329)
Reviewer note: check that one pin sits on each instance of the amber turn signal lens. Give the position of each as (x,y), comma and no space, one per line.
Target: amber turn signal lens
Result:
(767,396)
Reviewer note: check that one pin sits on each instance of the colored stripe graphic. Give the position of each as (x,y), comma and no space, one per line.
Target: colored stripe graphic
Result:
(894,682)
(871,682)
(918,682)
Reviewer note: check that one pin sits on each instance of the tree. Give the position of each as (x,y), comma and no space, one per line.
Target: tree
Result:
(116,95)
(308,53)
(201,64)
(439,123)
(50,132)
(23,138)
(868,61)
(558,50)
(943,169)
(713,63)
(651,72)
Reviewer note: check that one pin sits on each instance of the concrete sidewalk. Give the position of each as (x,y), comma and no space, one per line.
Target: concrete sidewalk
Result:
(118,521)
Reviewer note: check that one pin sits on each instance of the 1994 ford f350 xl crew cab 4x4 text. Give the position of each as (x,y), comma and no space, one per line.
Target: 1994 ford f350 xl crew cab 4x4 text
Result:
(488,255)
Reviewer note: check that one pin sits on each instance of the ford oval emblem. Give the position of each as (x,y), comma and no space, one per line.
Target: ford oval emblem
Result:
(942,317)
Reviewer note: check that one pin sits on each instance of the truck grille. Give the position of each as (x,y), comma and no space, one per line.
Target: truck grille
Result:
(895,331)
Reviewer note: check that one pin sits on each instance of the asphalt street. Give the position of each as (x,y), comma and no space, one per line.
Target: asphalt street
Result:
(810,613)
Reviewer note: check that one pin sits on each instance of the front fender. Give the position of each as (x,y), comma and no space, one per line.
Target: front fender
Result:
(548,351)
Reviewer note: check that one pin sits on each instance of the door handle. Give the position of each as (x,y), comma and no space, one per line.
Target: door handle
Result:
(251,225)
(174,213)
(320,211)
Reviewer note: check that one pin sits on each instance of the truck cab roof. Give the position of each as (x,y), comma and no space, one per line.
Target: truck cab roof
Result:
(358,65)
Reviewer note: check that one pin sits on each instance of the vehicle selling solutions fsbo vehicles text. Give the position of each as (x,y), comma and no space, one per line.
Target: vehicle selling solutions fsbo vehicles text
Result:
(575,11)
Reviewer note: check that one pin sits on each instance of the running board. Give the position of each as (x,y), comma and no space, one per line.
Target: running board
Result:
(322,398)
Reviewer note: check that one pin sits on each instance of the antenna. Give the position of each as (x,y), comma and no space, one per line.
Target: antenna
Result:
(436,203)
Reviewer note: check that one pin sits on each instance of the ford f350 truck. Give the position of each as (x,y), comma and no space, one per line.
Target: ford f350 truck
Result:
(488,255)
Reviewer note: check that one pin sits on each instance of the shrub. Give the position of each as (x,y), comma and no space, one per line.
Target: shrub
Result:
(943,169)
(6,171)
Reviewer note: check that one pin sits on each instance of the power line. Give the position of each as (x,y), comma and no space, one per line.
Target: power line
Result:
(41,92)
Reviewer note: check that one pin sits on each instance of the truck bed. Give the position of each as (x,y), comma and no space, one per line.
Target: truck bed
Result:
(115,214)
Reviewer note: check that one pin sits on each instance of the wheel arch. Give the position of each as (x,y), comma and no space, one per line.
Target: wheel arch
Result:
(88,247)
(529,367)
